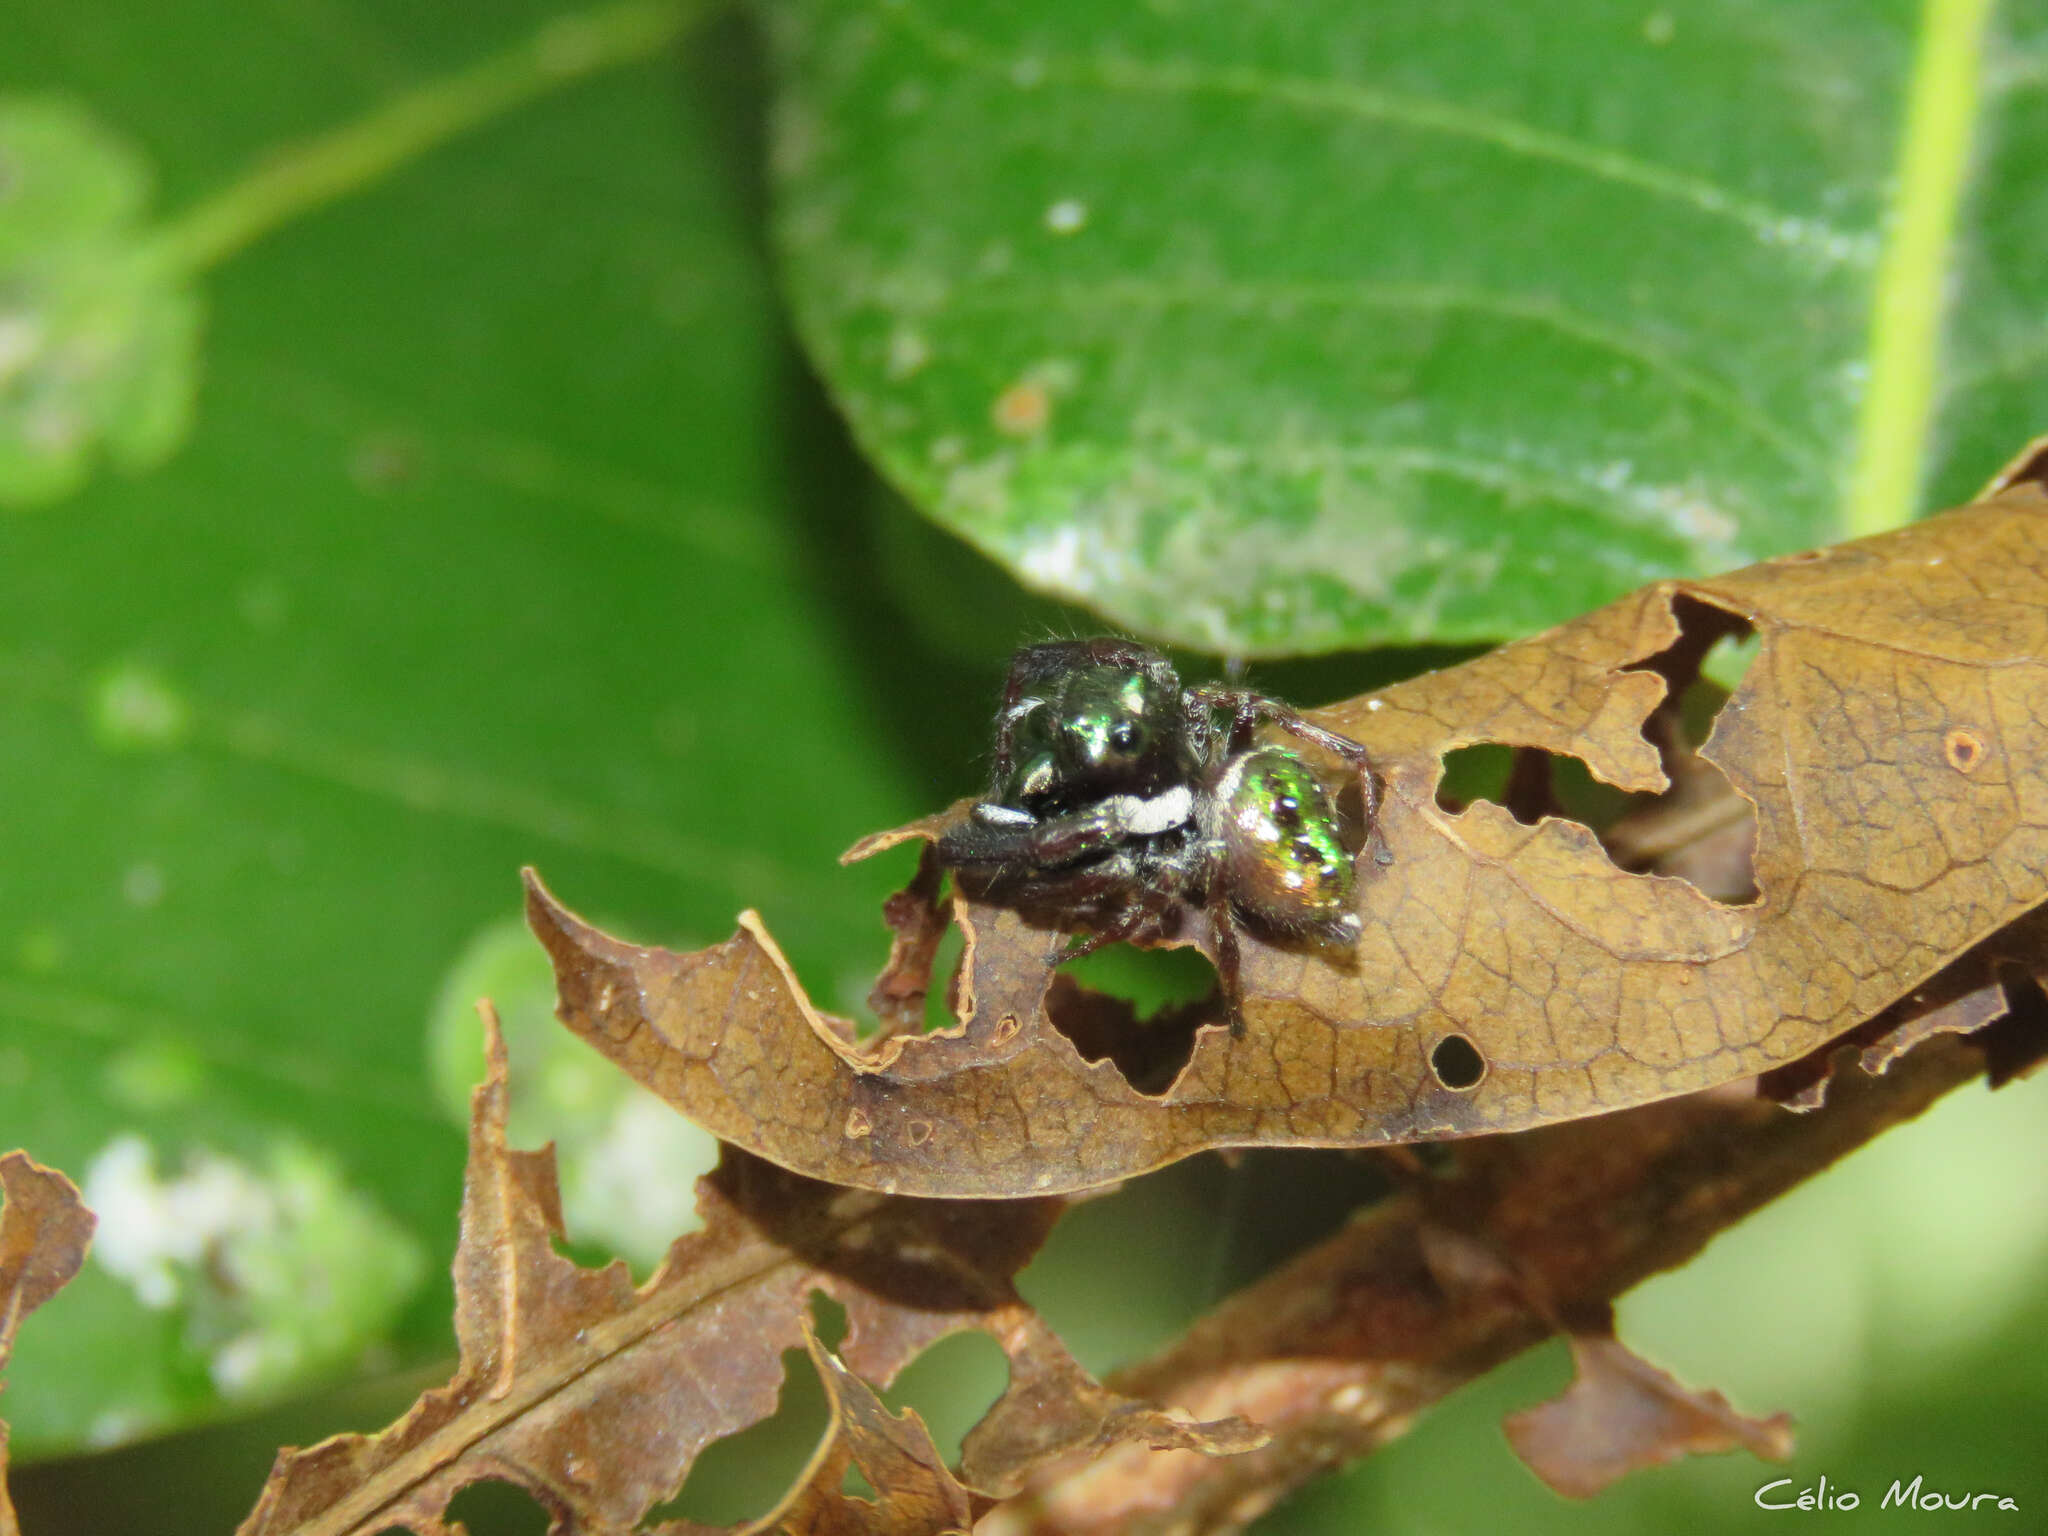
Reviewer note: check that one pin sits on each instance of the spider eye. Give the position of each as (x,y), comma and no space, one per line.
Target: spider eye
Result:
(1125,735)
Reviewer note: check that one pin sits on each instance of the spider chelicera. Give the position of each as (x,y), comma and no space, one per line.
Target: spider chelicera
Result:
(1120,801)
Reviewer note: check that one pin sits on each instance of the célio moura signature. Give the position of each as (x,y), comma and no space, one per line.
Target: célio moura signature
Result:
(1901,1495)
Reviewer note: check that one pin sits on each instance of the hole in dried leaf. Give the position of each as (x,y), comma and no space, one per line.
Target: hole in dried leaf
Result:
(1140,1011)
(1528,783)
(1699,829)
(828,1322)
(919,990)
(1148,979)
(1457,1063)
(1964,749)
(502,1508)
(940,999)
(855,1485)
(952,1385)
(735,1478)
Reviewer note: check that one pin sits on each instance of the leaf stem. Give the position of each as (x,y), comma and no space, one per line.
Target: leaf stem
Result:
(1908,303)
(359,154)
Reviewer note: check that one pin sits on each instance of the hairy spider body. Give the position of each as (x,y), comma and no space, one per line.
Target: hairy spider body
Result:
(1118,805)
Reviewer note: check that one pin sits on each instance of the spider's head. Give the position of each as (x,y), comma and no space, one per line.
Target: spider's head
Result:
(1097,727)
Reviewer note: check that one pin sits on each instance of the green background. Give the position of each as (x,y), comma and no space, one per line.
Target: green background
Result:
(515,524)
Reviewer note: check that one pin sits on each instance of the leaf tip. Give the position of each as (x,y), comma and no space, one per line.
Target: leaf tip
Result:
(928,828)
(497,1064)
(558,929)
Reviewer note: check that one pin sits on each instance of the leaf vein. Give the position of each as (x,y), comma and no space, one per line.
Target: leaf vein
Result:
(1420,114)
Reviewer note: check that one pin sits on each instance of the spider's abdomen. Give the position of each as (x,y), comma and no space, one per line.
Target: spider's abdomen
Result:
(1283,860)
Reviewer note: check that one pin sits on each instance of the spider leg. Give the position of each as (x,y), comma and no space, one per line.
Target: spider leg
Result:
(1248,709)
(1129,921)
(1223,933)
(1074,837)
(1055,842)
(997,835)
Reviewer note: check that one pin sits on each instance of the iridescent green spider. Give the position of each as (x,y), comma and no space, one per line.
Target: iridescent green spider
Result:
(1120,802)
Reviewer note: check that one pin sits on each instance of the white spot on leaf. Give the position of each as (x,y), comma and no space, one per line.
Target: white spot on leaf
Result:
(21,341)
(1055,561)
(1068,216)
(280,1273)
(908,352)
(135,708)
(142,885)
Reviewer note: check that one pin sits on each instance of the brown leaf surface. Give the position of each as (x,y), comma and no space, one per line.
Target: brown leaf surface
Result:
(595,1397)
(44,1233)
(1997,994)
(1339,1351)
(1891,737)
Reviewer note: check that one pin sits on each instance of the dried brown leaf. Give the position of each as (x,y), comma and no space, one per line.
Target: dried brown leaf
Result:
(1339,1351)
(595,1397)
(915,1494)
(1621,1414)
(1055,1413)
(1890,740)
(44,1233)
(1983,995)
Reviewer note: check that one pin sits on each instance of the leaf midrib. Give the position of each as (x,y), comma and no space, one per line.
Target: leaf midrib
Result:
(1943,100)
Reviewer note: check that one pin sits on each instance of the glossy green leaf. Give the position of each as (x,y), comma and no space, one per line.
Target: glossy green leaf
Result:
(1292,329)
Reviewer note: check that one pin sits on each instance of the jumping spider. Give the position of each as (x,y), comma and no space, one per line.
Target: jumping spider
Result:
(1118,804)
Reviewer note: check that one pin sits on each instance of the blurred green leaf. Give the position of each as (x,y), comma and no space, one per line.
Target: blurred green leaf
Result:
(510,531)
(1994,376)
(630,1163)
(1277,330)
(98,337)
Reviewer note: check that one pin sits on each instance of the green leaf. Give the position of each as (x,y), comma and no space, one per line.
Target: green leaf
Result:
(98,337)
(1287,330)
(1995,355)
(510,531)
